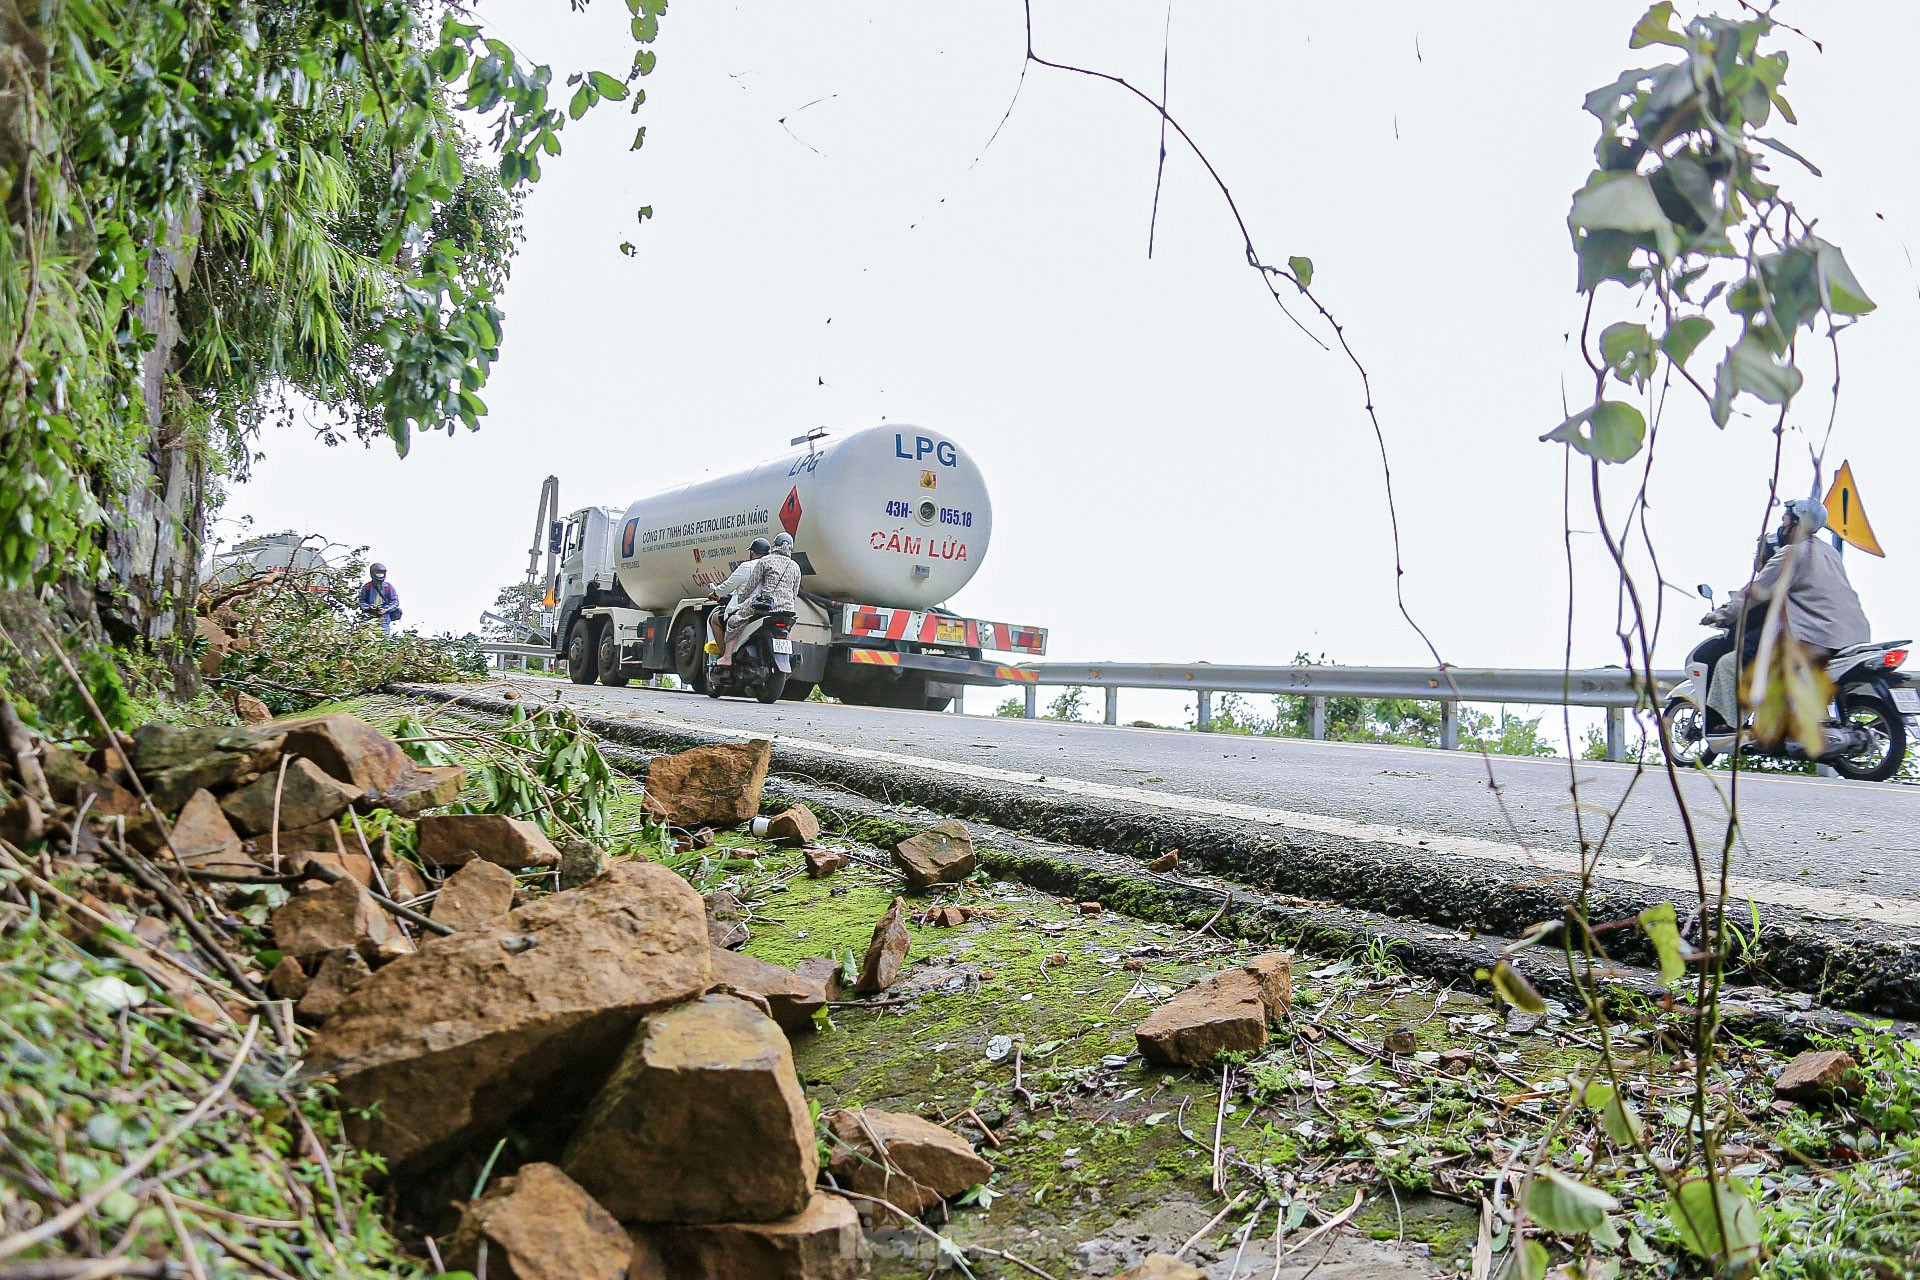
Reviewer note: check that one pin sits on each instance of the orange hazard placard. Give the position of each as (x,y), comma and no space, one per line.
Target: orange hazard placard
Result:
(1845,515)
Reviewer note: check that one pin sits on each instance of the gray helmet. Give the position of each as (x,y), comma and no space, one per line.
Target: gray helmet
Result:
(377,570)
(759,547)
(783,539)
(1809,517)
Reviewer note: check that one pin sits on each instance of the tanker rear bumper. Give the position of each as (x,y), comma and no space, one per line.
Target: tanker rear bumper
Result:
(948,670)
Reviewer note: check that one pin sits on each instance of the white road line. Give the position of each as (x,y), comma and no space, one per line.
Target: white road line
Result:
(1810,898)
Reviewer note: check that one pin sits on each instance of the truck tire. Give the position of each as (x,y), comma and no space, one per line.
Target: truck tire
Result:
(688,652)
(583,663)
(608,651)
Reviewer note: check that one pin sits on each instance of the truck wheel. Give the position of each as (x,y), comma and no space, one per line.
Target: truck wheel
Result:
(609,653)
(776,684)
(689,652)
(583,664)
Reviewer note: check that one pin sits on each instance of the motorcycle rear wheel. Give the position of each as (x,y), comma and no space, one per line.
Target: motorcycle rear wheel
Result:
(772,687)
(1887,728)
(1687,731)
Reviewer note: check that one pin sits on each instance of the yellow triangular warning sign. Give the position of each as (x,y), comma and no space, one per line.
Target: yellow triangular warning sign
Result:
(1845,515)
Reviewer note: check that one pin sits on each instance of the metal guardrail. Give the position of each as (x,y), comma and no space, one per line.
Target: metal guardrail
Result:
(1610,688)
(502,652)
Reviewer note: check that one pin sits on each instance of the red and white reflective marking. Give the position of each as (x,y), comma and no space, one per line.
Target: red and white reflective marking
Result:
(876,623)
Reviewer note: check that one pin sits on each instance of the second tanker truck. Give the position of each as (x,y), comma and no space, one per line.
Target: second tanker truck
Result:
(888,523)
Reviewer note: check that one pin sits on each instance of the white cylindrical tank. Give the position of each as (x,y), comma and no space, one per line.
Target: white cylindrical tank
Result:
(892,515)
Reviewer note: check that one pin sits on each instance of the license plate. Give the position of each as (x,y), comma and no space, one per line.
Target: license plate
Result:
(782,646)
(1907,701)
(950,633)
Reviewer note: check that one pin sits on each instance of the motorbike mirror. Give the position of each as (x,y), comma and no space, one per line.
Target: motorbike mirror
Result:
(1706,592)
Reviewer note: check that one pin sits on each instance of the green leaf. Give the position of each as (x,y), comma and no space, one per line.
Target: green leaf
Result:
(1512,986)
(1618,202)
(1838,289)
(1613,432)
(1692,1212)
(1662,927)
(583,99)
(1627,349)
(1607,255)
(1302,269)
(1656,27)
(1531,1262)
(1685,336)
(1617,1116)
(1750,367)
(1783,148)
(1565,1207)
(608,87)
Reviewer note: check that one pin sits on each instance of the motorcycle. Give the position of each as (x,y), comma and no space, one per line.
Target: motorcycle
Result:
(1866,727)
(762,659)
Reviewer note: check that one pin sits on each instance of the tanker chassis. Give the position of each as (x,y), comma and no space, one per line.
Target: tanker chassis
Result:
(887,523)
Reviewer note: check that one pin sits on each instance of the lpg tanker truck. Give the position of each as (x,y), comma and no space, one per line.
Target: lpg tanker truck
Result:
(888,523)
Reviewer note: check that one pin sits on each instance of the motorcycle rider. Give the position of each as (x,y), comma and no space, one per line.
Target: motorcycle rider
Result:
(758,548)
(770,586)
(1822,611)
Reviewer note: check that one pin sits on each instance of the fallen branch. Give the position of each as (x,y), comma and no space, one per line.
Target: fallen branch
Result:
(1213,1222)
(80,1208)
(92,1269)
(319,871)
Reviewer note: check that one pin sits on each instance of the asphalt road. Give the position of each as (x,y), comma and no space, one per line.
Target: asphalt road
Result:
(1823,848)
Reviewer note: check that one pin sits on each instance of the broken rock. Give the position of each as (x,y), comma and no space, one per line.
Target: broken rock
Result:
(822,970)
(429,787)
(455,839)
(580,861)
(339,916)
(702,1121)
(901,1158)
(1166,861)
(791,999)
(250,709)
(886,952)
(824,862)
(1227,1011)
(822,1242)
(719,784)
(939,855)
(338,973)
(175,762)
(349,749)
(307,795)
(1819,1075)
(475,896)
(794,826)
(205,840)
(288,981)
(540,1225)
(457,1037)
(726,921)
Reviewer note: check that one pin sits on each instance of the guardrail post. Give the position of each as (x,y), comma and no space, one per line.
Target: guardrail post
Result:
(1033,702)
(1113,705)
(1203,711)
(1449,726)
(1616,733)
(1317,719)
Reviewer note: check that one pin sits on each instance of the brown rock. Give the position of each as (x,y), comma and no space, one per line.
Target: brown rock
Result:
(338,973)
(1273,972)
(338,916)
(456,1038)
(1090,908)
(1457,1060)
(21,821)
(793,826)
(475,896)
(175,762)
(1165,862)
(939,855)
(946,917)
(539,1225)
(901,1158)
(219,644)
(1225,1011)
(71,780)
(1820,1075)
(356,867)
(406,881)
(822,1242)
(1162,1266)
(824,971)
(580,861)
(349,749)
(455,839)
(321,837)
(791,999)
(1400,1040)
(707,1086)
(824,862)
(886,952)
(429,787)
(718,785)
(288,981)
(250,709)
(726,921)
(307,796)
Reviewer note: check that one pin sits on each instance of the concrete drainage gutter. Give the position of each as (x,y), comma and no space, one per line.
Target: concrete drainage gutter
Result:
(1445,920)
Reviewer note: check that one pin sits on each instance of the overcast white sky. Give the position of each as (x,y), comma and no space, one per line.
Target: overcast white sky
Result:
(1178,474)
